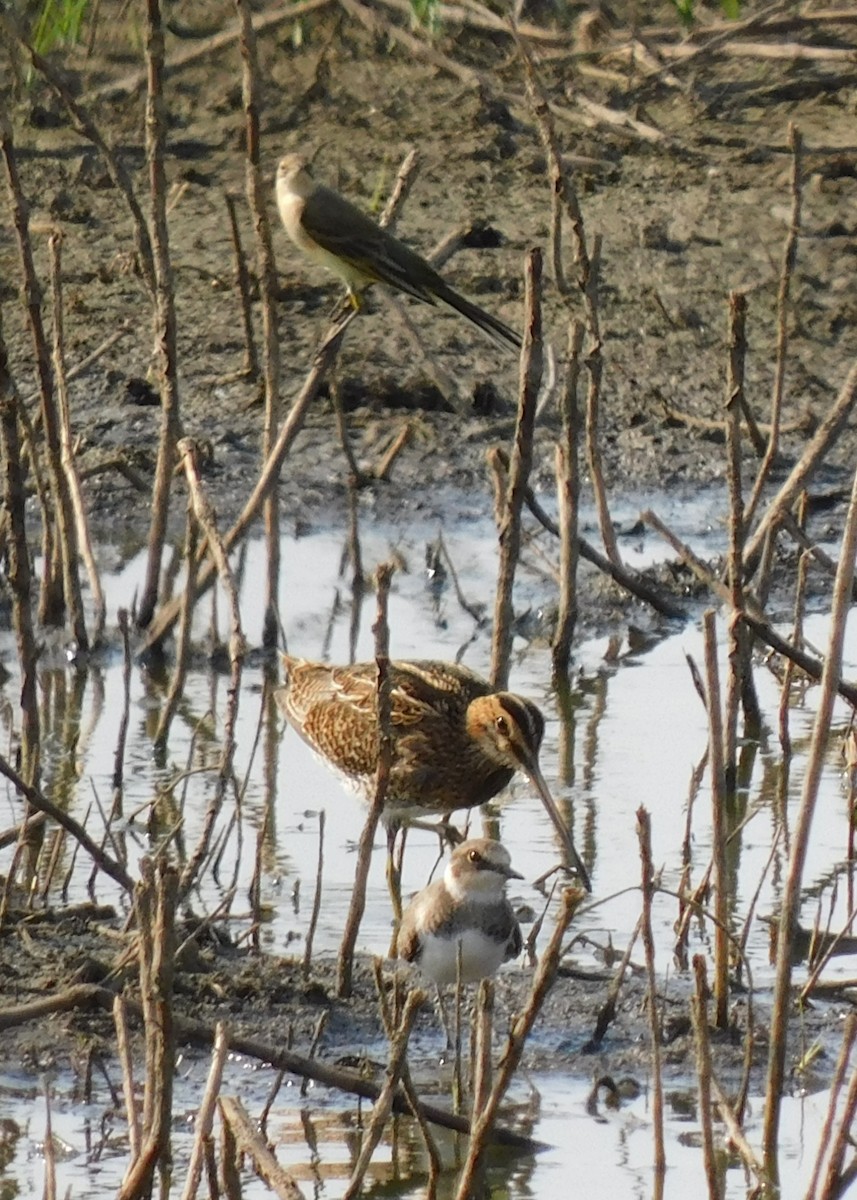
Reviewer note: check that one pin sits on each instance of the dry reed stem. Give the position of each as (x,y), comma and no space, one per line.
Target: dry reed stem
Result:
(189,1031)
(699,1015)
(797,637)
(416,47)
(19,574)
(432,1152)
(628,579)
(383,1105)
(586,268)
(607,1011)
(266,271)
(51,600)
(838,1178)
(790,906)
(250,369)
(37,800)
(809,665)
(383,575)
(739,676)
(154,906)
(356,477)
(50,1185)
(737,1138)
(204,1120)
(184,638)
(484,1023)
(165,349)
(84,125)
(316,900)
(400,441)
(225,771)
(644,833)
(249,1142)
(317,1033)
(830,944)
(74,525)
(786,272)
(204,514)
(818,446)
(718,821)
(482,1129)
(11,835)
(132,1111)
(267,20)
(842,1064)
(806,424)
(509,533)
(229,1180)
(567,469)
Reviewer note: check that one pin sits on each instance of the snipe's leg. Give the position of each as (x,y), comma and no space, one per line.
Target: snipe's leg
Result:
(395,855)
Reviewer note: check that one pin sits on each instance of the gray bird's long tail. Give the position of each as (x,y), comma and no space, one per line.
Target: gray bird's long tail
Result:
(493,326)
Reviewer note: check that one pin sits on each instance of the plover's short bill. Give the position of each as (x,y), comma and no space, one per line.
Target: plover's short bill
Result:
(466,908)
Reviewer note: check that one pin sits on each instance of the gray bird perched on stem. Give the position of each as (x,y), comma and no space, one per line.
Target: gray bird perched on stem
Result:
(332,232)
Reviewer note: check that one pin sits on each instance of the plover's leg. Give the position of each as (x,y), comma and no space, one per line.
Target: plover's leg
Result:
(444,1023)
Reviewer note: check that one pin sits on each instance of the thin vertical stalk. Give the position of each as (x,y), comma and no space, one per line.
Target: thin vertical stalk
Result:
(166,354)
(824,437)
(736,631)
(316,901)
(699,1014)
(266,271)
(52,601)
(480,1132)
(19,573)
(242,284)
(383,576)
(568,499)
(532,356)
(790,906)
(644,833)
(204,1120)
(718,822)
(786,272)
(384,1104)
(75,533)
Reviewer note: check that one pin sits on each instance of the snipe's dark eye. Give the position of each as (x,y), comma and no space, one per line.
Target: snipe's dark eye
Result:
(502,726)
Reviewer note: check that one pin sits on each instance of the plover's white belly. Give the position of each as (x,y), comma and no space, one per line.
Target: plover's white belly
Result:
(480,956)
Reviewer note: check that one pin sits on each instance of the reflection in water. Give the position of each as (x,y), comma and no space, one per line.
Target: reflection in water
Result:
(626,731)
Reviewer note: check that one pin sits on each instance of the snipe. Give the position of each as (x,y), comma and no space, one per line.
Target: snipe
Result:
(456,742)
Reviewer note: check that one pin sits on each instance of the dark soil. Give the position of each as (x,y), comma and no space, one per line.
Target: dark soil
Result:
(684,220)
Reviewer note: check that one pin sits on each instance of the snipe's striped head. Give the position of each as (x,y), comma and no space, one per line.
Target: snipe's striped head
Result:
(509,729)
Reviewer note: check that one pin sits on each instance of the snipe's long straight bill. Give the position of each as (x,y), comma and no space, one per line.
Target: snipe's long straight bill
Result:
(573,858)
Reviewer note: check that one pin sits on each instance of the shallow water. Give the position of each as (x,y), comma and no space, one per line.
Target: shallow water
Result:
(638,730)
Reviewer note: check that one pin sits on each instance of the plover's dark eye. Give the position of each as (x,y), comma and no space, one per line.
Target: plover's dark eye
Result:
(502,726)
(473,856)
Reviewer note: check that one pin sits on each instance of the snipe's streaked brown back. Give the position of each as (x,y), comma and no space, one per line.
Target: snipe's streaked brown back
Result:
(456,742)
